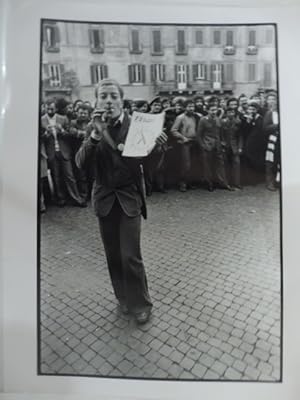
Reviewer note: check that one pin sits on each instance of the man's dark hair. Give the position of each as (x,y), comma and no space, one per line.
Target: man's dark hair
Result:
(230,100)
(50,101)
(198,97)
(187,102)
(84,107)
(109,82)
(211,103)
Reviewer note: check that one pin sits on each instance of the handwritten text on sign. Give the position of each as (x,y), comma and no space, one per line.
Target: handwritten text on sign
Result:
(143,131)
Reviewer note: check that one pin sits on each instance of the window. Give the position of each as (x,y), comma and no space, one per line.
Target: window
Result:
(199,37)
(96,40)
(54,74)
(252,38)
(135,44)
(199,72)
(217,37)
(181,76)
(51,33)
(217,71)
(98,72)
(229,38)
(269,36)
(137,73)
(156,42)
(251,72)
(268,74)
(181,45)
(158,72)
(229,73)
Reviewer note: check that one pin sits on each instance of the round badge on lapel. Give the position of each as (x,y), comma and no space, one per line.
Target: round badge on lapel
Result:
(120,147)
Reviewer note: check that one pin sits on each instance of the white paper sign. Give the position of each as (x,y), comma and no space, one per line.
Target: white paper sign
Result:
(143,132)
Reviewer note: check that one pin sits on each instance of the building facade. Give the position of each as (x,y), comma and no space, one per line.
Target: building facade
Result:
(157,59)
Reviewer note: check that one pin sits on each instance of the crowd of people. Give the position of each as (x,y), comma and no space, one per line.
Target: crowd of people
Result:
(209,137)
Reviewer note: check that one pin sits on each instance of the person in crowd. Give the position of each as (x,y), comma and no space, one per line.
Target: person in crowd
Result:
(78,130)
(56,138)
(43,175)
(233,104)
(255,141)
(127,106)
(199,106)
(154,164)
(165,103)
(272,132)
(43,109)
(76,104)
(232,139)
(118,199)
(133,106)
(69,112)
(184,131)
(142,106)
(209,139)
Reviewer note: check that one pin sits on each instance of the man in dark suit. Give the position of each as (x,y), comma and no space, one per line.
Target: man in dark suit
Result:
(232,139)
(209,138)
(56,138)
(118,199)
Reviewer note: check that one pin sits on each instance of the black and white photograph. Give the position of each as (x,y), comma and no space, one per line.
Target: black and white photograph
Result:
(159,201)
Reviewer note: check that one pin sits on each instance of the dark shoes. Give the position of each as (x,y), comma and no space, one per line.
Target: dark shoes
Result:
(210,187)
(142,317)
(124,309)
(182,187)
(271,187)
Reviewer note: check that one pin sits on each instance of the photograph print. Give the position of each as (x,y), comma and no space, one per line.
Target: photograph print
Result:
(159,202)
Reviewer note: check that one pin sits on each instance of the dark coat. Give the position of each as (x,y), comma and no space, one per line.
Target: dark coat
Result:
(256,143)
(231,134)
(209,134)
(116,177)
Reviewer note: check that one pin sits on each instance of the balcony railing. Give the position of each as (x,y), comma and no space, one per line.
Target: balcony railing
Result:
(229,50)
(252,50)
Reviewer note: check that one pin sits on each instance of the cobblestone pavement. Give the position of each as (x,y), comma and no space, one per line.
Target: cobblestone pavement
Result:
(213,265)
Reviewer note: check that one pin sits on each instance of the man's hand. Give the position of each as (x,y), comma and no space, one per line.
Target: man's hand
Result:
(161,139)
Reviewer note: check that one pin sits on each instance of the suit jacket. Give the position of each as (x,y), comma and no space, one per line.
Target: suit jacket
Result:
(209,134)
(231,134)
(116,177)
(256,143)
(63,138)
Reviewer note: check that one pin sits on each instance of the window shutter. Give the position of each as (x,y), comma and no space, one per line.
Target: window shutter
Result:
(92,74)
(195,71)
(143,73)
(101,39)
(62,70)
(212,69)
(105,71)
(91,41)
(152,72)
(56,35)
(252,38)
(163,78)
(46,70)
(187,73)
(205,72)
(176,73)
(229,38)
(222,73)
(130,73)
(229,73)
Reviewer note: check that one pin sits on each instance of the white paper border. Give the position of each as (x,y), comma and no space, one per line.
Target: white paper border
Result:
(18,212)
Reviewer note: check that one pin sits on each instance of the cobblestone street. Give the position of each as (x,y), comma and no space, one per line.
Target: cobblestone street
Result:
(213,266)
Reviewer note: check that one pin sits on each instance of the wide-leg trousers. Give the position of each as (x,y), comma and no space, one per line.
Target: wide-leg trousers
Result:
(121,236)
